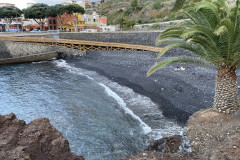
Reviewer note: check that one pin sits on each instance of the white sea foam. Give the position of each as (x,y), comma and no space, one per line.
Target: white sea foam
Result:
(120,101)
(63,64)
(146,128)
(134,104)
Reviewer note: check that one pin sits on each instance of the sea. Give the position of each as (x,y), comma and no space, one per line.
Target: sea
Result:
(101,119)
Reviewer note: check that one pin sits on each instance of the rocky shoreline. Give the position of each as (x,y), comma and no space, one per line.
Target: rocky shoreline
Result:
(38,140)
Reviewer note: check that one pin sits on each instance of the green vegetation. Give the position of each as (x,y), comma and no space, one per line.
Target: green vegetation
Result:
(9,13)
(157,5)
(134,3)
(212,34)
(142,11)
(38,12)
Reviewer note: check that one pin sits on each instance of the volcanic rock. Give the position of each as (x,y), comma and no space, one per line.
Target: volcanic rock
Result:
(38,140)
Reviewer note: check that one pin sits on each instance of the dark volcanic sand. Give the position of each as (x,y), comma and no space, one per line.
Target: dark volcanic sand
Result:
(178,93)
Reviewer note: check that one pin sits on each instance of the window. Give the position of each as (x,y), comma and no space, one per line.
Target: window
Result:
(50,21)
(54,21)
(94,20)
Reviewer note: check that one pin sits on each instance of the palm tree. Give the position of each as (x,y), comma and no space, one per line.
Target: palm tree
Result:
(213,34)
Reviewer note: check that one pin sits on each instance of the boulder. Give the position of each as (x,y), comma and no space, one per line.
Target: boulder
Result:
(38,140)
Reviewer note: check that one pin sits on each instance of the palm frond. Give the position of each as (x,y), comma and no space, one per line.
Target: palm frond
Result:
(166,62)
(213,35)
(172,31)
(209,12)
(194,48)
(200,30)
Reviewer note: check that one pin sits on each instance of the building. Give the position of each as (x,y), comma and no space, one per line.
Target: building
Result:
(16,24)
(112,28)
(80,3)
(95,19)
(29,4)
(68,23)
(92,19)
(52,23)
(7,4)
(102,22)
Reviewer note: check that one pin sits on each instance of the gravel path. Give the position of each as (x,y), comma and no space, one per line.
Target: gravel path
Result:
(178,93)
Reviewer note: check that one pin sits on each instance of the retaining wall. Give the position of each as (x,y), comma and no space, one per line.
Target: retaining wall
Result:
(16,52)
(141,38)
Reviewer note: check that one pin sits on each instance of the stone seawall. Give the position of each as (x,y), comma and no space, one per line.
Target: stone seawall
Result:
(141,38)
(16,52)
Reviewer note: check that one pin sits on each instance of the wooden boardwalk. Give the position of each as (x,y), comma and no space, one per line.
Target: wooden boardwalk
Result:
(82,45)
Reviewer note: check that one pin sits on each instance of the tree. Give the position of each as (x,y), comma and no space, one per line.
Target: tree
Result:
(121,21)
(130,23)
(58,11)
(9,13)
(75,10)
(180,3)
(37,12)
(213,34)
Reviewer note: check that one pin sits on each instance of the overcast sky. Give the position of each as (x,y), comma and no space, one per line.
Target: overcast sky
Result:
(23,3)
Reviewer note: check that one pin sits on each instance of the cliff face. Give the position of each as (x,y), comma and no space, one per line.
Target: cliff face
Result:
(38,140)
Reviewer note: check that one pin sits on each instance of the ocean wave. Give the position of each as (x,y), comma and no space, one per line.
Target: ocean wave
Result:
(134,104)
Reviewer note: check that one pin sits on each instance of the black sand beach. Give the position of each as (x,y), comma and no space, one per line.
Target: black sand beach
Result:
(178,93)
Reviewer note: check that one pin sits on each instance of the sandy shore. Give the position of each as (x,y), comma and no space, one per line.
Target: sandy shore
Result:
(178,93)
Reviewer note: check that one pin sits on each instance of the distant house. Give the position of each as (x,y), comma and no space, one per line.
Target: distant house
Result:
(103,21)
(29,4)
(52,23)
(29,25)
(16,21)
(7,4)
(68,24)
(80,3)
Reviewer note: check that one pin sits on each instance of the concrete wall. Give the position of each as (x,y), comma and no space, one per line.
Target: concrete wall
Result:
(15,52)
(141,38)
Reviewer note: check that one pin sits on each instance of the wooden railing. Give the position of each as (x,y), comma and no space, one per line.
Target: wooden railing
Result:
(82,45)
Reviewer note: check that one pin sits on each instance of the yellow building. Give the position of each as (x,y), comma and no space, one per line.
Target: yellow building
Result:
(68,23)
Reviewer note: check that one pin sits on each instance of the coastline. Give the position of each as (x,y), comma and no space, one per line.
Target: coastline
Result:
(179,94)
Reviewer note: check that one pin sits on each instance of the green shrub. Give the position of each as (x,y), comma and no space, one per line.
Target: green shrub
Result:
(139,21)
(155,26)
(157,5)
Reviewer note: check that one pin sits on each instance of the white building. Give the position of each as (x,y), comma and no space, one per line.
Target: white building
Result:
(111,28)
(29,4)
(80,3)
(92,19)
(7,4)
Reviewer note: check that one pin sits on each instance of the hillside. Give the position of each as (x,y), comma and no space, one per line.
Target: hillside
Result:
(140,11)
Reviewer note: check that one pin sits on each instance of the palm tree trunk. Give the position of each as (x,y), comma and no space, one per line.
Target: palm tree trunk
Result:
(226,92)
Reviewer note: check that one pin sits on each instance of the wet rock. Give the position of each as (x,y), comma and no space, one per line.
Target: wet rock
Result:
(38,140)
(166,145)
(148,155)
(163,149)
